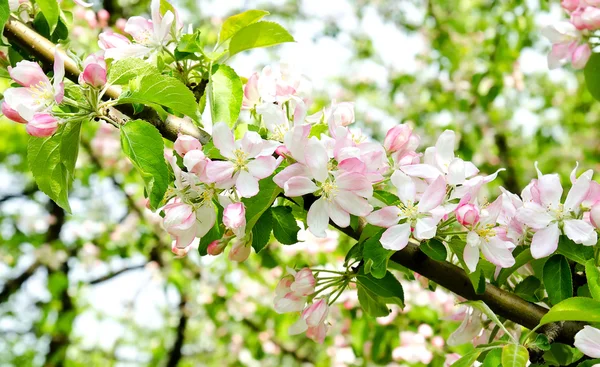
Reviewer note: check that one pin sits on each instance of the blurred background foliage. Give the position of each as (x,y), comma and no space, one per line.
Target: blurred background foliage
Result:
(101,288)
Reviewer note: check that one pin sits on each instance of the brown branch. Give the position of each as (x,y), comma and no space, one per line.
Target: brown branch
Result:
(109,276)
(175,355)
(43,50)
(13,285)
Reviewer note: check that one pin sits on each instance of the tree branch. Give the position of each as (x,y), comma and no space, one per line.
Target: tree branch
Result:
(43,50)
(175,354)
(109,276)
(13,285)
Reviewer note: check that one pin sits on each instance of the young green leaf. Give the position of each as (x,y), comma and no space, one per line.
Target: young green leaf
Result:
(52,162)
(371,303)
(285,228)
(51,11)
(162,90)
(514,355)
(4,14)
(261,34)
(375,256)
(527,288)
(557,279)
(235,23)
(261,232)
(541,342)
(143,144)
(493,358)
(434,249)
(573,251)
(593,278)
(468,360)
(225,94)
(258,204)
(121,72)
(590,363)
(521,259)
(574,309)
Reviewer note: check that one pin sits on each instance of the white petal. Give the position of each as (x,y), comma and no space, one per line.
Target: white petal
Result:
(246,184)
(498,252)
(433,196)
(456,172)
(223,139)
(396,237)
(444,148)
(405,186)
(588,341)
(318,218)
(471,256)
(545,241)
(262,167)
(338,215)
(534,215)
(426,228)
(385,217)
(298,186)
(353,203)
(580,232)
(317,159)
(579,191)
(421,170)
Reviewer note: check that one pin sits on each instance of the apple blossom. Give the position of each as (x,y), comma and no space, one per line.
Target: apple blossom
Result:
(549,217)
(185,143)
(42,125)
(565,38)
(38,93)
(240,250)
(94,71)
(12,114)
(234,218)
(588,341)
(312,321)
(470,328)
(595,215)
(400,138)
(467,214)
(247,160)
(416,214)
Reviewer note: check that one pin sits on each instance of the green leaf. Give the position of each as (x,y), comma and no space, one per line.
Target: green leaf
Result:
(468,360)
(385,196)
(387,288)
(541,342)
(318,129)
(144,146)
(355,252)
(375,256)
(562,355)
(215,233)
(261,232)
(527,288)
(235,23)
(225,94)
(514,355)
(589,363)
(592,75)
(258,204)
(593,278)
(573,251)
(371,303)
(122,71)
(166,6)
(434,249)
(162,90)
(190,43)
(557,279)
(261,34)
(285,227)
(51,11)
(574,309)
(52,162)
(522,258)
(4,14)
(493,358)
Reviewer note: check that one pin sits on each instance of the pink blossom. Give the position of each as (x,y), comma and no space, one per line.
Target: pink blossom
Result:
(421,216)
(180,252)
(185,143)
(591,17)
(251,93)
(12,114)
(247,160)
(595,215)
(548,217)
(342,114)
(286,300)
(470,328)
(42,125)
(467,214)
(304,282)
(564,37)
(38,93)
(240,251)
(103,17)
(581,55)
(569,5)
(216,247)
(94,71)
(234,218)
(483,236)
(397,138)
(108,40)
(588,341)
(312,321)
(180,222)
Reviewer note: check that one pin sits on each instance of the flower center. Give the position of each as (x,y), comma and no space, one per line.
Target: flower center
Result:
(240,160)
(408,210)
(559,212)
(279,132)
(329,190)
(42,92)
(486,231)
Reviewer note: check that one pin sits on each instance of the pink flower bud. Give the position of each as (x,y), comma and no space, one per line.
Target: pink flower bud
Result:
(195,161)
(12,114)
(42,125)
(343,114)
(180,252)
(108,40)
(251,94)
(581,55)
(103,17)
(397,138)
(576,19)
(437,341)
(90,18)
(185,143)
(591,18)
(120,24)
(316,313)
(569,5)
(304,283)
(179,217)
(282,151)
(234,216)
(467,214)
(595,215)
(94,71)
(239,251)
(425,330)
(216,247)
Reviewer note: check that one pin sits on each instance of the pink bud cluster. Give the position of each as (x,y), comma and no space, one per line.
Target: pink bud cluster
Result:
(570,38)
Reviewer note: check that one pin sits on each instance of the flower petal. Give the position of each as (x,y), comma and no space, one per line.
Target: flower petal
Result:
(246,184)
(498,252)
(318,218)
(298,186)
(353,203)
(396,237)
(385,217)
(588,341)
(338,215)
(223,139)
(580,232)
(433,195)
(545,241)
(262,167)
(405,187)
(317,159)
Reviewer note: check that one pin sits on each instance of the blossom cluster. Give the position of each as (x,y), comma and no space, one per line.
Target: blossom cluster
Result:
(570,39)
